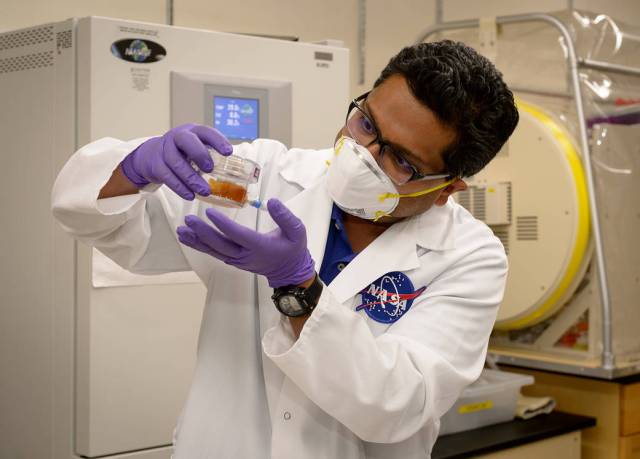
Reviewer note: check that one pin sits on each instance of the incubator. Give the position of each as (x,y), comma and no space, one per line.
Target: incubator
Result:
(84,79)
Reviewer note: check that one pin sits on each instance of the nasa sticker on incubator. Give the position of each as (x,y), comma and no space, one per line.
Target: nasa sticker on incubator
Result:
(139,51)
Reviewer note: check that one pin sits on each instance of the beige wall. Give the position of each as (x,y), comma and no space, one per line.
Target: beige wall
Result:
(24,13)
(390,24)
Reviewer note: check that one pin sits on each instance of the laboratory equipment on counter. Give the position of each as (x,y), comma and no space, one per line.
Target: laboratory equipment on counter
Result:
(97,361)
(491,399)
(563,194)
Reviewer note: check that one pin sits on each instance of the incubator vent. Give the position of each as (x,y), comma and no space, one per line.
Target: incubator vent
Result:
(26,37)
(490,203)
(502,233)
(473,199)
(63,40)
(509,203)
(479,203)
(32,58)
(26,62)
(464,199)
(527,228)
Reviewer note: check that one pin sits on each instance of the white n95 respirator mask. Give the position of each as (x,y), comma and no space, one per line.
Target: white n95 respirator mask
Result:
(359,186)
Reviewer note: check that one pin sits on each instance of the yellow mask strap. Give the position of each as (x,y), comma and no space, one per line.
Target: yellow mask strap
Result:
(339,145)
(379,215)
(336,149)
(384,196)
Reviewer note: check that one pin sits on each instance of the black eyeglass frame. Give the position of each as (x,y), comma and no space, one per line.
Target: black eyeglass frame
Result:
(415,175)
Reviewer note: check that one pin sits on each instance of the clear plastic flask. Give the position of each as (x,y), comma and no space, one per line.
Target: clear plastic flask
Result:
(229,181)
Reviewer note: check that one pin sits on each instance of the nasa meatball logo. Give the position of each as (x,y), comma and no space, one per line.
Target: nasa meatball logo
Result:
(389,297)
(138,51)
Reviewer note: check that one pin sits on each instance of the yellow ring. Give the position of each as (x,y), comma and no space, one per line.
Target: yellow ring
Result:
(582,237)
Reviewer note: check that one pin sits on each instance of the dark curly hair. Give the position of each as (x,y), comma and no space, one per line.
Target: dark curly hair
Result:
(466,92)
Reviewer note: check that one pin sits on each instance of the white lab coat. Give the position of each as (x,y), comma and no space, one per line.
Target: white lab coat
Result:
(349,387)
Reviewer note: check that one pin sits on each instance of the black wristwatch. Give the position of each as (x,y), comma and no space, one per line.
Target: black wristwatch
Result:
(295,301)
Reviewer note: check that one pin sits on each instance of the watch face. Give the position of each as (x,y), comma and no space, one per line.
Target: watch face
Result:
(289,304)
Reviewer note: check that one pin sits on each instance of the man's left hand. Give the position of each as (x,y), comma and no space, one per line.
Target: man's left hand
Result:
(280,255)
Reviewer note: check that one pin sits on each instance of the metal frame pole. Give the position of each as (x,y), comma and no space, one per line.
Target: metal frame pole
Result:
(362,40)
(608,361)
(169,12)
(615,68)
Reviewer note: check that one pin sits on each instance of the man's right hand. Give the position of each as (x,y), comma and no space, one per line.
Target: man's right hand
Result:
(166,160)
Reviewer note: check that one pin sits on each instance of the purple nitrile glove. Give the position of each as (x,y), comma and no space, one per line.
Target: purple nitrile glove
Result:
(280,255)
(166,159)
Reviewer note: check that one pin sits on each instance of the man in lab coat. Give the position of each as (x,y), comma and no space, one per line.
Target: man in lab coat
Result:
(345,321)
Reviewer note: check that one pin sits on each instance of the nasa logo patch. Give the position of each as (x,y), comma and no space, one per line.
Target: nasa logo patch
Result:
(389,297)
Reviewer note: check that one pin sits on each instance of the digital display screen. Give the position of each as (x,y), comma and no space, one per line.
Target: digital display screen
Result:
(236,117)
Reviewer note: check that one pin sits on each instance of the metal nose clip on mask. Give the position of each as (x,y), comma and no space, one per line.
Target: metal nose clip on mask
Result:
(359,186)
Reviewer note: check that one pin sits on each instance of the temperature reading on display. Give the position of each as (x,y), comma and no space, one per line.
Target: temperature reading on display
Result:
(237,118)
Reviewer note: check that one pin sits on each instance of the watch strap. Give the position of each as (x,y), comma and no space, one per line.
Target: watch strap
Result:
(313,292)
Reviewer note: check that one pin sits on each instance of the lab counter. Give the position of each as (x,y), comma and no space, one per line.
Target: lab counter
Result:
(555,432)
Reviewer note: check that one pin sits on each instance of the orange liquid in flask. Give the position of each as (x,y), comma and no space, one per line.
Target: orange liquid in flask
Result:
(228,190)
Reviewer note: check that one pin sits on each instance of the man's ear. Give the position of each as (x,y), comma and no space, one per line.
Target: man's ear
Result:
(454,187)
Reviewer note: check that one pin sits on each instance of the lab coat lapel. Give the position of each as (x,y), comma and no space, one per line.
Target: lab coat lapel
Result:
(397,250)
(313,206)
(394,250)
